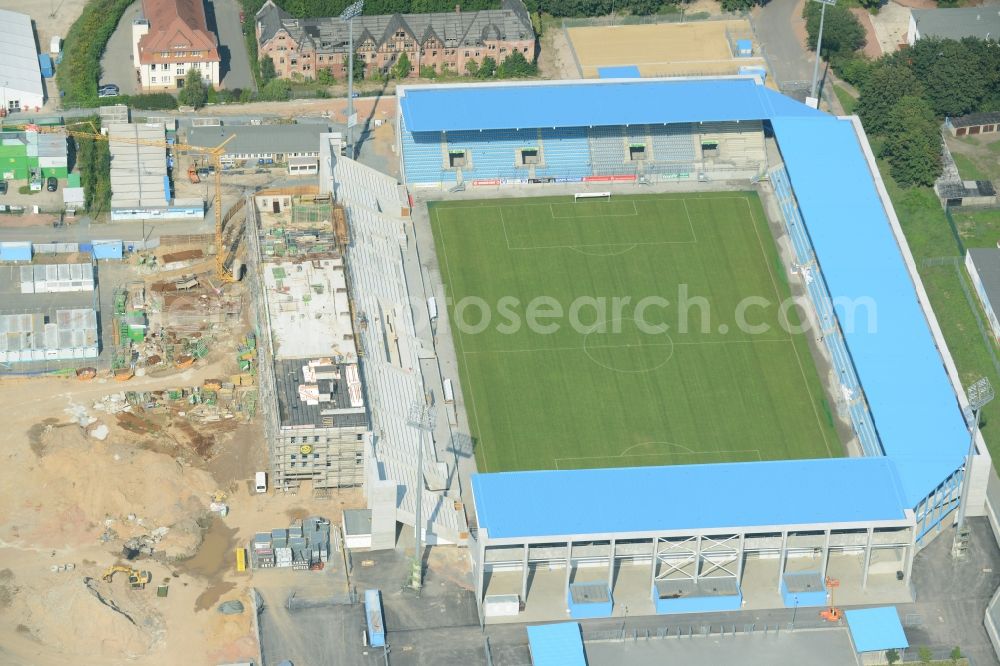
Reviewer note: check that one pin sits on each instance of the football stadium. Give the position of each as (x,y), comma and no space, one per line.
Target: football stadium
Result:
(698,366)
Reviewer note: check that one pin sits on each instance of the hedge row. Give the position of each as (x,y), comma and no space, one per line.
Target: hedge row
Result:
(80,69)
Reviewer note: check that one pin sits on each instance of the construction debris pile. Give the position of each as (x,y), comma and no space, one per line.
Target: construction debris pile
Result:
(214,400)
(170,325)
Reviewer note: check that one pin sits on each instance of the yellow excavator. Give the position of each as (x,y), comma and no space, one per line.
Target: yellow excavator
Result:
(136,579)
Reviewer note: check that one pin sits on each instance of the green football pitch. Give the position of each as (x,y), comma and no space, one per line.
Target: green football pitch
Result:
(636,330)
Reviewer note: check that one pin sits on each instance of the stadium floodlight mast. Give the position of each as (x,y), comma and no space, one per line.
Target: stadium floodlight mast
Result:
(979,393)
(348,15)
(421,417)
(819,48)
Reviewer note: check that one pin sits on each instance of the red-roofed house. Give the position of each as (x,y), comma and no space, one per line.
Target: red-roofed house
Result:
(172,38)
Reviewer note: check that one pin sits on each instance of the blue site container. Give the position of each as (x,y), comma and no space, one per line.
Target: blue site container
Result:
(374,618)
(45,63)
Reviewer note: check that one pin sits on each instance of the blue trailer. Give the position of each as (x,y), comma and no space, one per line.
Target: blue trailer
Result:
(373,617)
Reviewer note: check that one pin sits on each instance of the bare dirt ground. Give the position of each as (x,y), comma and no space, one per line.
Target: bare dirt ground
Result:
(555,59)
(665,49)
(377,107)
(873,47)
(51,17)
(71,499)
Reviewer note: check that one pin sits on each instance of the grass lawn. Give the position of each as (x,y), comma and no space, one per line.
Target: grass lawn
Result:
(847,100)
(929,235)
(967,168)
(978,229)
(604,385)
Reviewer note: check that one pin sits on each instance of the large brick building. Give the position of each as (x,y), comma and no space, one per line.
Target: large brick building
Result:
(171,38)
(448,39)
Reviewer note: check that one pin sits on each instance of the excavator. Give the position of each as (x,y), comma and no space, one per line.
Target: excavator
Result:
(136,579)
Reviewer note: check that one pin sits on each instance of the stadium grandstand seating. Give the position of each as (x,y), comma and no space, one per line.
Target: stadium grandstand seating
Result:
(566,152)
(805,258)
(607,151)
(493,153)
(673,144)
(570,152)
(393,379)
(425,158)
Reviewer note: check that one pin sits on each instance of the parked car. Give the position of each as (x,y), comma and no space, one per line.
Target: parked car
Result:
(3,187)
(355,94)
(108,90)
(51,184)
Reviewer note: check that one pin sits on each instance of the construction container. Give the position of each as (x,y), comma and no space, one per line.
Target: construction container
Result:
(45,64)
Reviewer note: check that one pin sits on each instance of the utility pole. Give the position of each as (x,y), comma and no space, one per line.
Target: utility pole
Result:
(420,417)
(980,393)
(819,49)
(348,15)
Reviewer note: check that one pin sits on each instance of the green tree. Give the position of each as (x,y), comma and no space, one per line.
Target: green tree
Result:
(913,142)
(925,654)
(276,90)
(428,72)
(267,71)
(487,68)
(955,655)
(516,66)
(401,69)
(359,67)
(471,67)
(886,85)
(943,66)
(891,657)
(740,5)
(194,93)
(854,69)
(842,32)
(325,77)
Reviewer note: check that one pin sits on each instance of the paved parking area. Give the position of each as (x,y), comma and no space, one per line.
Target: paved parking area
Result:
(117,65)
(224,19)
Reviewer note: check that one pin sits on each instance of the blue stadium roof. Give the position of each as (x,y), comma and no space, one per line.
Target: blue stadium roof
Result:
(876,629)
(685,497)
(586,104)
(624,72)
(556,644)
(912,401)
(916,413)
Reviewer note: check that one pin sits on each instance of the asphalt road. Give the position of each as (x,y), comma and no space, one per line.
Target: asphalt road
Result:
(117,65)
(224,19)
(788,59)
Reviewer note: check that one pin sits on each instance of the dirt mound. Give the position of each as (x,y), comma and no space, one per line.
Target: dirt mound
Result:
(81,489)
(117,626)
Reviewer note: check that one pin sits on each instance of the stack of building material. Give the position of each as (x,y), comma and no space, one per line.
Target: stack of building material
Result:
(262,551)
(304,545)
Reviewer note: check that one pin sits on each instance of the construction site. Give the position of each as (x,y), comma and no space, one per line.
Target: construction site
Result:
(315,419)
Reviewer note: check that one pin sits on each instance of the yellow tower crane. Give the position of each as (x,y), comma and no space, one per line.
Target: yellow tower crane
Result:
(215,155)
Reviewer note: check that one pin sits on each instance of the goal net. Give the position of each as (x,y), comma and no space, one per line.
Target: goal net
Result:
(591,195)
